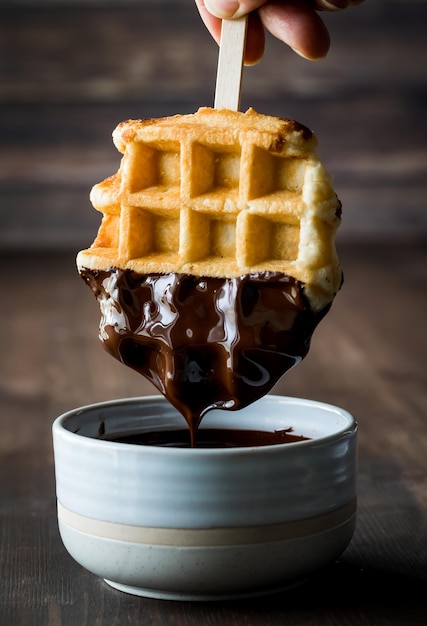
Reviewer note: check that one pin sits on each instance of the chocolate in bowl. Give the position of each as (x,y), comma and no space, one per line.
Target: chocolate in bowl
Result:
(208,438)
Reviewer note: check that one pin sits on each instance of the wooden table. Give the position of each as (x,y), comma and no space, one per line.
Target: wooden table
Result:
(368,355)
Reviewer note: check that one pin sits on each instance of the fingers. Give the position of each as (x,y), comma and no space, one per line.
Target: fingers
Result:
(212,23)
(227,9)
(296,24)
(255,39)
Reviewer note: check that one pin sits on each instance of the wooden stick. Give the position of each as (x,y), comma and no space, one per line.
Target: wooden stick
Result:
(230,64)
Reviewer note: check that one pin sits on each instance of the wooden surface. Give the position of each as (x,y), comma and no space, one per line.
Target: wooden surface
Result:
(71,70)
(368,355)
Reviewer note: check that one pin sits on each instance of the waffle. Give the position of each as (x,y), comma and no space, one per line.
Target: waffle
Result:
(219,193)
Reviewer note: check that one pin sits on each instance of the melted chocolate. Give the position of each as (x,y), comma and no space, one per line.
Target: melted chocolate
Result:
(209,438)
(204,342)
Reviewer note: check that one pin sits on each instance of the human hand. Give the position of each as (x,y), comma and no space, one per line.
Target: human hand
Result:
(295,22)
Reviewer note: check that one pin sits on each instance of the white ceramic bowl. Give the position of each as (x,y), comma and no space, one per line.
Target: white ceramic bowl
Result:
(188,523)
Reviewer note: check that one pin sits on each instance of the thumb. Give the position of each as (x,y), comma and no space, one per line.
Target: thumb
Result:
(226,9)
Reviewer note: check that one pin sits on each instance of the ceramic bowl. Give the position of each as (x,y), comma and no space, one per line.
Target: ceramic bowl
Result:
(204,524)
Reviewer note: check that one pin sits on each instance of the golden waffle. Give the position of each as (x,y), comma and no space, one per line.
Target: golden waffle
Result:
(219,193)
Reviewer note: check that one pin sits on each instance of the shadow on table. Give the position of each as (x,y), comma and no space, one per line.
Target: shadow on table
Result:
(385,567)
(346,585)
(382,577)
(340,594)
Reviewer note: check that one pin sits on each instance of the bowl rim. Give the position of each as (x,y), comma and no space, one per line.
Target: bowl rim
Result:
(59,429)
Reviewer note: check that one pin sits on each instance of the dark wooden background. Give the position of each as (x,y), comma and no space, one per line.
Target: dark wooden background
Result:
(69,72)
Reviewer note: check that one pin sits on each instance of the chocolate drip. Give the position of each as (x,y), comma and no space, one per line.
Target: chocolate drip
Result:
(204,342)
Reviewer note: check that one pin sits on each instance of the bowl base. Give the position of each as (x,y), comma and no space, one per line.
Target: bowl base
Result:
(192,597)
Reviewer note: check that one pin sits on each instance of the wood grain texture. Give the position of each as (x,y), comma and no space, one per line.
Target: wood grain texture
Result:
(368,355)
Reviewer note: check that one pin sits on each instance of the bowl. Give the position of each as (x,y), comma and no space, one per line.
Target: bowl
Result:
(188,523)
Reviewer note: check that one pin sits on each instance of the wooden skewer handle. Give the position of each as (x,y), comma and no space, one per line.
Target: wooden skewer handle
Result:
(230,64)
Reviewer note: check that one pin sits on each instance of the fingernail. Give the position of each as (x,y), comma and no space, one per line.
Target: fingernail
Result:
(309,58)
(222,8)
(337,5)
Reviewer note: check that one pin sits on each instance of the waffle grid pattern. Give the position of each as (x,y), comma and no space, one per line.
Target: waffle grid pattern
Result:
(217,198)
